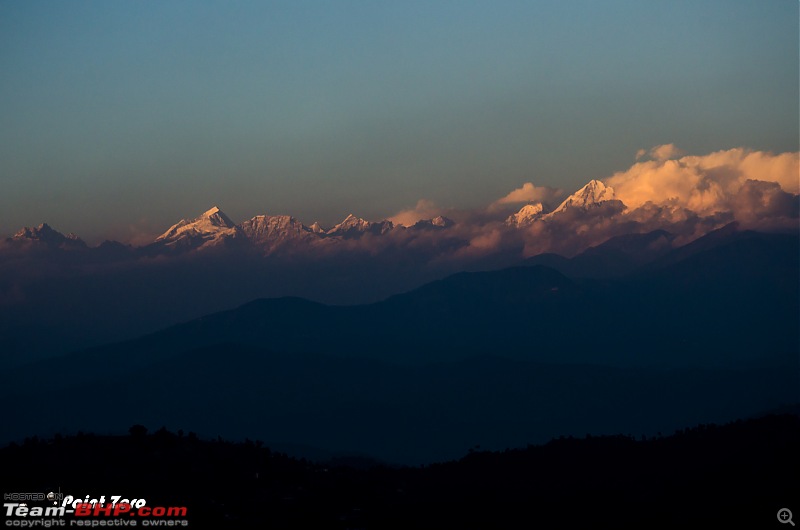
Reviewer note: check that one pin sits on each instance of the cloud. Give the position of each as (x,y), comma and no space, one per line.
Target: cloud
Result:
(528,193)
(705,184)
(783,168)
(759,204)
(575,229)
(660,152)
(424,209)
(687,196)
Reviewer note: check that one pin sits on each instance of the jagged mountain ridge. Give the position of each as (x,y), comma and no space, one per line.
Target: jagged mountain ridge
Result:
(45,234)
(353,226)
(214,227)
(526,215)
(591,195)
(459,315)
(211,227)
(491,347)
(588,196)
(271,232)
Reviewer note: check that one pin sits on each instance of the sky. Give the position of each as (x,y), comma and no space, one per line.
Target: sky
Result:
(120,118)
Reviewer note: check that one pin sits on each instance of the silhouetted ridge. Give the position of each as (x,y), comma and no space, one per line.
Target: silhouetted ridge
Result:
(509,286)
(614,258)
(745,471)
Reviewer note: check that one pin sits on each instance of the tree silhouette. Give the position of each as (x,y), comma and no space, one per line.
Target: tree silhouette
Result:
(138,431)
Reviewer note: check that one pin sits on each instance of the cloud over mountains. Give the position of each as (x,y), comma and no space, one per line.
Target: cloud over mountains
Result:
(687,195)
(211,262)
(529,193)
(708,184)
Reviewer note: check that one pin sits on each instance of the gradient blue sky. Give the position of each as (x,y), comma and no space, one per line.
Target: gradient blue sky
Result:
(122,117)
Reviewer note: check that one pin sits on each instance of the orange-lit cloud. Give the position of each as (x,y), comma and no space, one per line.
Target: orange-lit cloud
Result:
(706,184)
(528,193)
(760,204)
(424,209)
(660,152)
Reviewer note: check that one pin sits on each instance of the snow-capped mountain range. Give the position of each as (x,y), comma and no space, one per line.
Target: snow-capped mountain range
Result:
(213,227)
(269,231)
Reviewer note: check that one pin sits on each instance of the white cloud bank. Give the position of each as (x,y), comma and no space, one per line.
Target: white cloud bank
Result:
(707,184)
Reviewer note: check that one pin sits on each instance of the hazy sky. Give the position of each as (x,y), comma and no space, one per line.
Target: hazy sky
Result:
(122,117)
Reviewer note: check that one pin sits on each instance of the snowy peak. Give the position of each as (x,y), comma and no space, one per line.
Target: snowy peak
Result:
(270,227)
(210,227)
(45,234)
(590,195)
(442,221)
(316,228)
(353,226)
(39,233)
(351,222)
(439,222)
(526,215)
(216,217)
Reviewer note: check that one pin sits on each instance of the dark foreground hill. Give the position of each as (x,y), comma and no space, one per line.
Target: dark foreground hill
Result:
(736,475)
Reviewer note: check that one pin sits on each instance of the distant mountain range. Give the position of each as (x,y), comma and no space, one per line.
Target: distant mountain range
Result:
(712,293)
(214,228)
(46,235)
(273,232)
(703,332)
(58,294)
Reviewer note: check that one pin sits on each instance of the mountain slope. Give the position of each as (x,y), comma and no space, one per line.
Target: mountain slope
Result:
(271,232)
(526,215)
(614,258)
(592,194)
(44,234)
(353,227)
(209,229)
(496,358)
(708,310)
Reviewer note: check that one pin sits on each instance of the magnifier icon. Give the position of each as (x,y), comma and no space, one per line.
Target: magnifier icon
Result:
(785,516)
